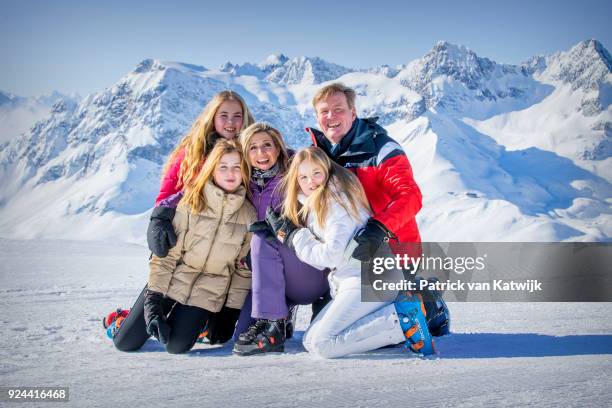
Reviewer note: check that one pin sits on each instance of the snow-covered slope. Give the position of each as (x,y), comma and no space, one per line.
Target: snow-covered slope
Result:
(501,152)
(568,136)
(574,121)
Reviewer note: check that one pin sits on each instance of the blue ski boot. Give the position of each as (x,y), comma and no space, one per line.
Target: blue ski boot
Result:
(411,312)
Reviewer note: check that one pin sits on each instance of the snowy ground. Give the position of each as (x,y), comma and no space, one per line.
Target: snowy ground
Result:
(54,293)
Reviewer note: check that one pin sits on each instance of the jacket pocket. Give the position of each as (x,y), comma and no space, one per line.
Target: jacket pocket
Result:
(210,291)
(239,288)
(183,279)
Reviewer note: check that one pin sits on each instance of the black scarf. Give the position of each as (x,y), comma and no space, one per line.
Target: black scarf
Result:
(261,177)
(344,143)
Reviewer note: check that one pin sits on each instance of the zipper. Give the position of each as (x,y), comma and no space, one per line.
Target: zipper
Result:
(261,191)
(259,203)
(201,273)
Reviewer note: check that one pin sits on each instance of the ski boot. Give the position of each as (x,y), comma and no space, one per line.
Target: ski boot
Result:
(203,336)
(113,321)
(411,312)
(263,337)
(438,315)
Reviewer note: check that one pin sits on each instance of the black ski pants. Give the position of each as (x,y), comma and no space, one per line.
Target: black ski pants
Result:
(186,323)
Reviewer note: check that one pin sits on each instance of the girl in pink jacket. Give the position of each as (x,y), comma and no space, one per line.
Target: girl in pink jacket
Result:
(223,117)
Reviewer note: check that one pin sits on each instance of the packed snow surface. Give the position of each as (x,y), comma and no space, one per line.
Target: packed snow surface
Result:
(54,294)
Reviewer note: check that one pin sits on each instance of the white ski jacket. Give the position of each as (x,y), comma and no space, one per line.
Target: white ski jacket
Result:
(331,245)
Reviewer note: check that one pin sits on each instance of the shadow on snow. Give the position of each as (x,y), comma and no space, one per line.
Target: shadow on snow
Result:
(495,345)
(454,346)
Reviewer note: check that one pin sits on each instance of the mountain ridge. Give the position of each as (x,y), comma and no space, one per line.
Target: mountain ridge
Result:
(100,158)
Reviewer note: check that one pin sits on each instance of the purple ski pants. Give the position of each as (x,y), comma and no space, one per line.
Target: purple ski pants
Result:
(280,280)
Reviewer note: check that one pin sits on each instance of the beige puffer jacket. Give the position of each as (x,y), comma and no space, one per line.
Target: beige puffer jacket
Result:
(203,269)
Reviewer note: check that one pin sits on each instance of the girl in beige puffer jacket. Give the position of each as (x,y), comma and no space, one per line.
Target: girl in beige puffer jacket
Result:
(205,271)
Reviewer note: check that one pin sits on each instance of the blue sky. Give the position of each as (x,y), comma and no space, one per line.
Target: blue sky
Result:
(85,46)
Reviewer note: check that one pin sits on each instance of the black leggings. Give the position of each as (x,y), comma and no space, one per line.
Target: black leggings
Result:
(186,323)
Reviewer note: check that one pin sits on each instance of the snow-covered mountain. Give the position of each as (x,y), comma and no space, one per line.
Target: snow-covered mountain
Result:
(18,113)
(501,152)
(280,69)
(453,79)
(574,119)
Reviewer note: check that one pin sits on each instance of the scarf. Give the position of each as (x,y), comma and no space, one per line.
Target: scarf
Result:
(336,150)
(261,177)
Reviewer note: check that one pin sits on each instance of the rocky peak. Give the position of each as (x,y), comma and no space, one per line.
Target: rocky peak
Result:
(311,70)
(273,61)
(585,65)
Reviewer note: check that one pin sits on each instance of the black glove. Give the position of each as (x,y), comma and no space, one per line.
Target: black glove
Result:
(247,261)
(282,227)
(160,233)
(155,320)
(221,325)
(369,239)
(262,229)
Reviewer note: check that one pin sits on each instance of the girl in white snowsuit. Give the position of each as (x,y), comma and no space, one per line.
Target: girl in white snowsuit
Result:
(325,206)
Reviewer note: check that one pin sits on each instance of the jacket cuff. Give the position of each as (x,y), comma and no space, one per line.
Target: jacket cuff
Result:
(163,213)
(380,225)
(172,201)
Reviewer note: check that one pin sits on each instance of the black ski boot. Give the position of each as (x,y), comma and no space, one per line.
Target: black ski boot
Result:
(249,335)
(438,315)
(263,337)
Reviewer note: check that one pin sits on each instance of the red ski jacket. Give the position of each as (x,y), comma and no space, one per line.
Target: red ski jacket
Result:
(385,173)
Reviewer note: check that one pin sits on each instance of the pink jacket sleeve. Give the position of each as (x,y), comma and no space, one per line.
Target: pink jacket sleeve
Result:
(170,183)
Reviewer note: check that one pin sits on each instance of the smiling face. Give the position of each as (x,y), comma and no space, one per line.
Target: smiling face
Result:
(262,151)
(228,119)
(335,117)
(228,174)
(310,177)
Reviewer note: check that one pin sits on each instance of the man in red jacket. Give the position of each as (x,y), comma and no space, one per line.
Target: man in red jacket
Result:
(381,165)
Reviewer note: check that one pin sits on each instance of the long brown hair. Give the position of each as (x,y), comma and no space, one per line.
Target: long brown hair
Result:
(340,185)
(194,195)
(198,139)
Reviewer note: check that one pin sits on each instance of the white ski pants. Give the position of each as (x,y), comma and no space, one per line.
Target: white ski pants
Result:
(347,326)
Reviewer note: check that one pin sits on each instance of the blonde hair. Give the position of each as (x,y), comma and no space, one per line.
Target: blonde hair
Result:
(198,140)
(329,90)
(194,195)
(340,185)
(247,134)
